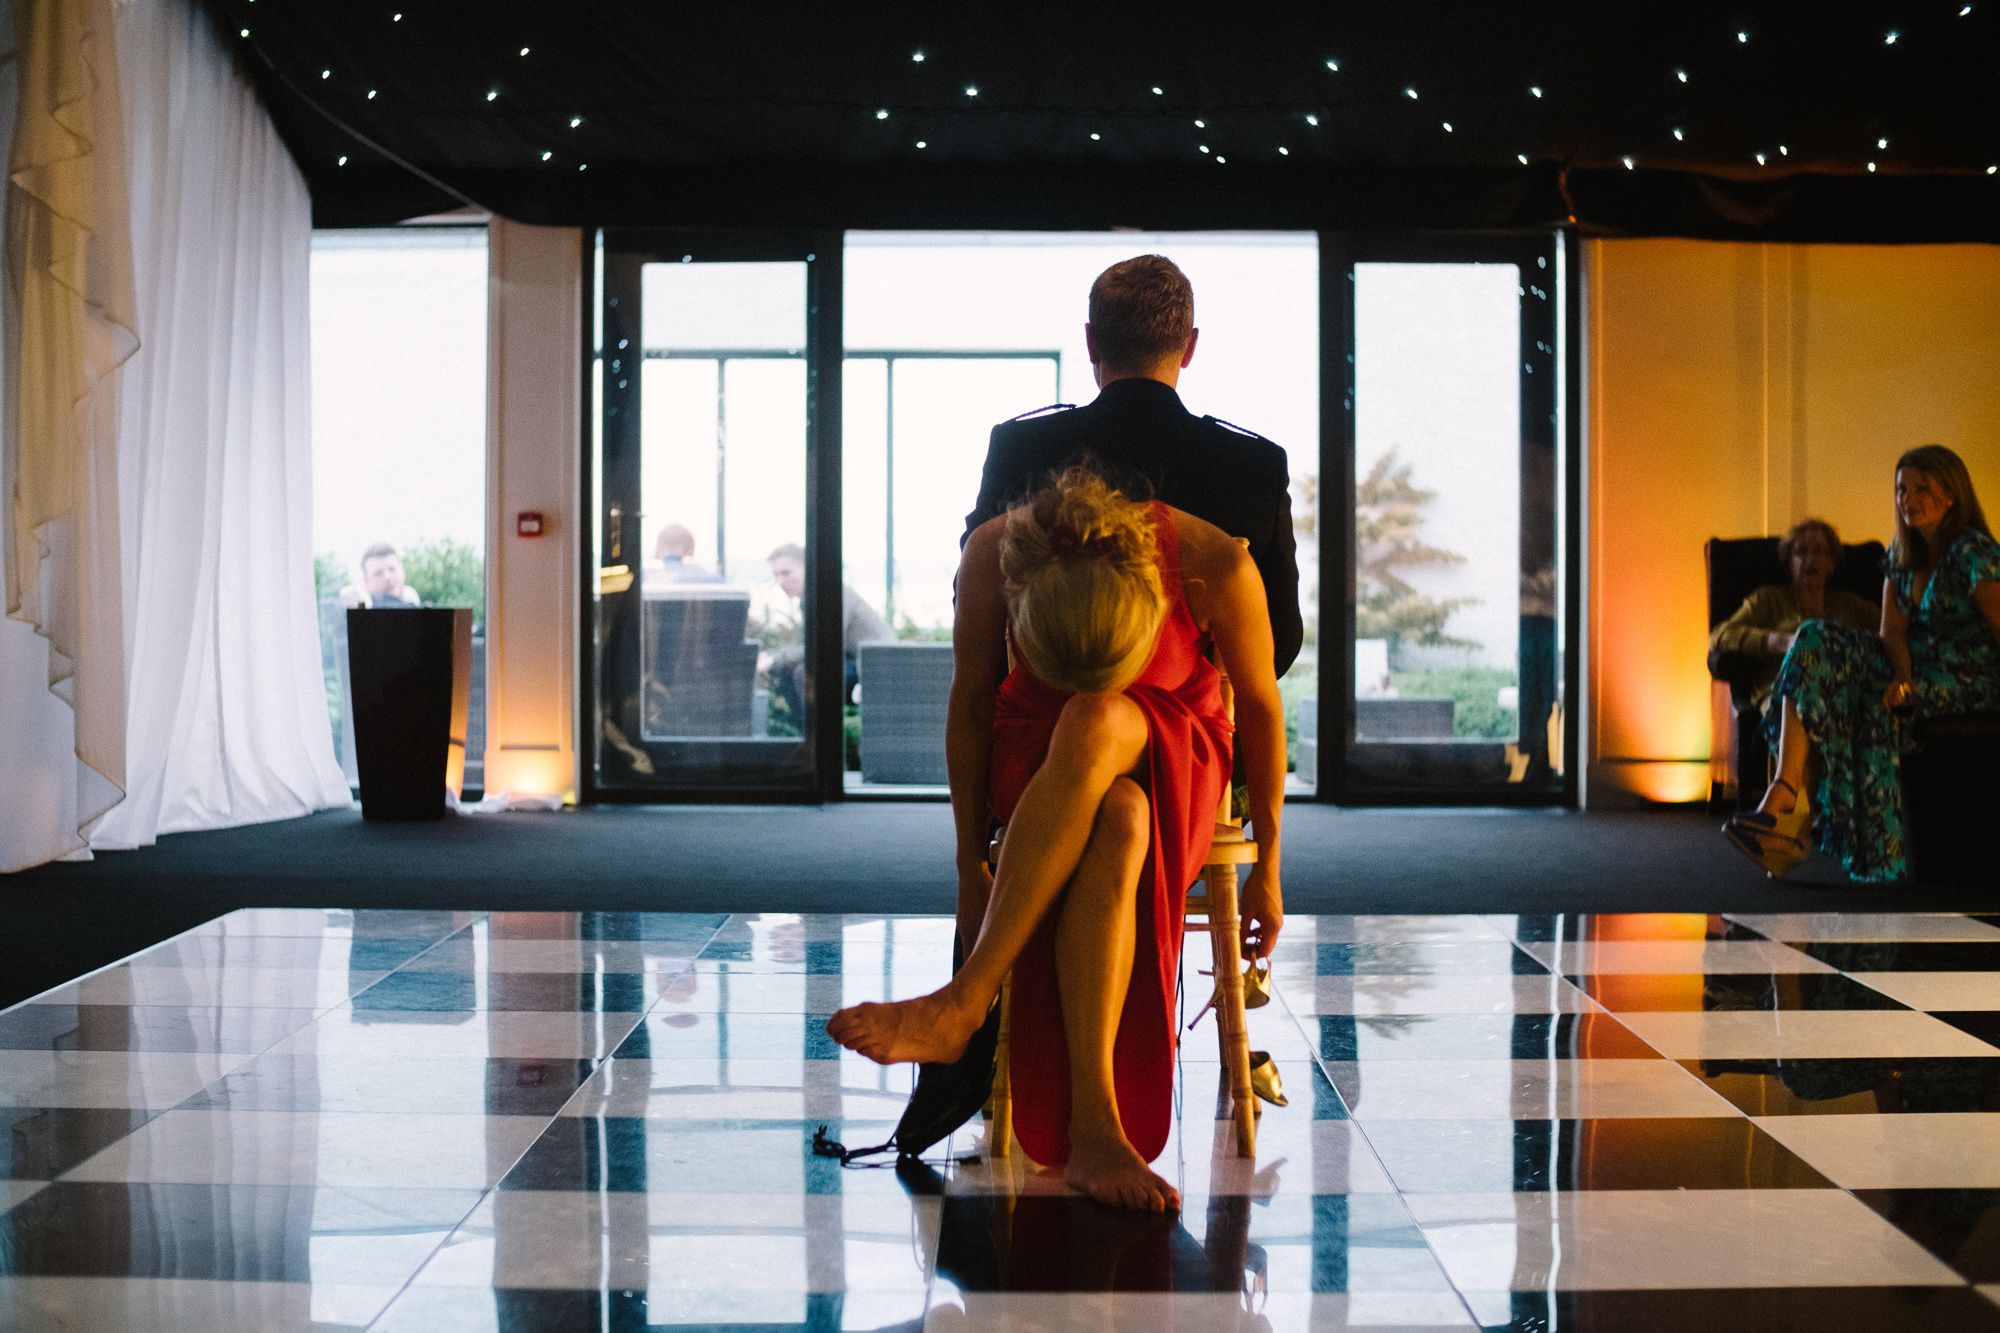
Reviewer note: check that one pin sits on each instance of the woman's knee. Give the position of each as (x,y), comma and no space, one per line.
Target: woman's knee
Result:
(1124,824)
(1095,725)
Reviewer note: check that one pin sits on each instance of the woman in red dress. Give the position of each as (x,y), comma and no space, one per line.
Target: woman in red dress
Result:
(1105,751)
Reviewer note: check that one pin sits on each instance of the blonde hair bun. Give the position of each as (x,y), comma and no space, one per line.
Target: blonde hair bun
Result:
(1081,577)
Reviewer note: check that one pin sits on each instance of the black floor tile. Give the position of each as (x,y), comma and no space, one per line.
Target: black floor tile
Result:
(1526,1156)
(1961,1227)
(1725,992)
(1571,927)
(463,1086)
(239,1233)
(1853,1087)
(42,1142)
(1425,959)
(1741,1310)
(1476,1037)
(546,992)
(1905,955)
(146,1027)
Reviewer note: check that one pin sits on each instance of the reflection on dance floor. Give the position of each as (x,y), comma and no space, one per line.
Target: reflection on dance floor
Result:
(522,1121)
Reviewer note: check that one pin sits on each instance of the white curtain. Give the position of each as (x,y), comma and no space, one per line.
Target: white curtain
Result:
(69,326)
(210,507)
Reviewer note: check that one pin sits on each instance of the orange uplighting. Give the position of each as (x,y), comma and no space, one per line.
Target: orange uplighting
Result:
(529,773)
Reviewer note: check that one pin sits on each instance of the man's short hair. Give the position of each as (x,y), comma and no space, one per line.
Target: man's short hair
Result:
(376,552)
(789,551)
(1141,312)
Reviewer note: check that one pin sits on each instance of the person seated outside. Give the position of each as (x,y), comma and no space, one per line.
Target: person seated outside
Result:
(1846,698)
(1765,625)
(382,582)
(673,559)
(1105,749)
(859,623)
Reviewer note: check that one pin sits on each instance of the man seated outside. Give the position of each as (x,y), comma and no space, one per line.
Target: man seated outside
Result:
(382,582)
(859,623)
(673,559)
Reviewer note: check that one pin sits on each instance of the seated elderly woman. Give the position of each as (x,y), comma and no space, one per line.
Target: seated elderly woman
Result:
(1105,750)
(1763,627)
(1845,698)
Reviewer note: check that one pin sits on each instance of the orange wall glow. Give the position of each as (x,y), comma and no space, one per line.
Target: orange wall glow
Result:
(1733,390)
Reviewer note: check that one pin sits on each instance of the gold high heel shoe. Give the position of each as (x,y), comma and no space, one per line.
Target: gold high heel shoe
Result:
(1264,1080)
(1775,842)
(1256,989)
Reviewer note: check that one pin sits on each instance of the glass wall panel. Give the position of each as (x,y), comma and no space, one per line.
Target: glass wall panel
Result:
(399,442)
(702,657)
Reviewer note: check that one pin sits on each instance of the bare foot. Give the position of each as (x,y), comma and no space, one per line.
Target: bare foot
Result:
(929,1028)
(1109,1170)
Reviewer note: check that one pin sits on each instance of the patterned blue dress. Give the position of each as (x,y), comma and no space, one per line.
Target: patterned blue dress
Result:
(1835,677)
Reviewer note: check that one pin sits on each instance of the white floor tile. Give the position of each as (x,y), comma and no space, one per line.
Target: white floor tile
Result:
(1801,1034)
(182,1305)
(146,1080)
(318,1148)
(1523,1090)
(524,1035)
(1661,956)
(1936,991)
(1829,926)
(1669,1239)
(1375,995)
(1917,1150)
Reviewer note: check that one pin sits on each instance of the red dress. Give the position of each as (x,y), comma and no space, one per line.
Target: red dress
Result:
(1187,762)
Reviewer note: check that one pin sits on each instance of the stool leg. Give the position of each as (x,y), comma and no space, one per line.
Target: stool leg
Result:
(1225,932)
(1000,1102)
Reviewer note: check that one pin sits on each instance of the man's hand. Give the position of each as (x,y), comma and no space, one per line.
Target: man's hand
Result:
(1262,911)
(1777,643)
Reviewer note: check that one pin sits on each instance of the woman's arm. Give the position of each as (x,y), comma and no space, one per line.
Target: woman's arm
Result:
(1986,596)
(1239,624)
(1896,643)
(979,661)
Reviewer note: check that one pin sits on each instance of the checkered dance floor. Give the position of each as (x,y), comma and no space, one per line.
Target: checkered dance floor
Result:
(437,1122)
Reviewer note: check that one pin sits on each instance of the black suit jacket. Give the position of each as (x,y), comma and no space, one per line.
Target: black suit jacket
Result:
(1137,433)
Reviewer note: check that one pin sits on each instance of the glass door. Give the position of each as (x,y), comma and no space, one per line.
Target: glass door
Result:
(1454,597)
(710,547)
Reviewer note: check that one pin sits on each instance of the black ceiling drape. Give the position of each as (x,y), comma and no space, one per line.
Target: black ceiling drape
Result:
(1644,120)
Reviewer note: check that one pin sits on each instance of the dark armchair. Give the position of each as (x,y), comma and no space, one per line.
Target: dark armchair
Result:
(1737,567)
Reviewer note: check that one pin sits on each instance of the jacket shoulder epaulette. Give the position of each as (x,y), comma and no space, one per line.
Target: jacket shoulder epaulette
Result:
(1240,430)
(1035,412)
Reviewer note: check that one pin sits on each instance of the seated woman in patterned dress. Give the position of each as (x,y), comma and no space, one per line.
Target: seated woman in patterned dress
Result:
(1846,699)
(1105,749)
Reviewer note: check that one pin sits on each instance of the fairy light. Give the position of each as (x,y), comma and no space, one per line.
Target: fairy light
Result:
(1284,151)
(1881,143)
(1202,146)
(1680,136)
(1522,158)
(916,57)
(1871,166)
(1158,91)
(326,74)
(524,50)
(371,94)
(583,166)
(882,114)
(1201,124)
(1447,126)
(341,161)
(1762,160)
(971,90)
(1742,38)
(1220,158)
(492,94)
(1629,163)
(243,33)
(546,155)
(1311,119)
(1535,90)
(922,144)
(575,121)
(1889,39)
(1784,151)
(1095,137)
(1333,66)
(1410,93)
(1681,74)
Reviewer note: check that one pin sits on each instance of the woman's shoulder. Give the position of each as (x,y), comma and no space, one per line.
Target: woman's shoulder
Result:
(1202,543)
(1976,553)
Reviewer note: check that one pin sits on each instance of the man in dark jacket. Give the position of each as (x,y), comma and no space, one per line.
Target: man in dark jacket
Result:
(1141,335)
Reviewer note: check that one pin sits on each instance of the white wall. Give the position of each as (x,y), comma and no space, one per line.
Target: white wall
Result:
(534,439)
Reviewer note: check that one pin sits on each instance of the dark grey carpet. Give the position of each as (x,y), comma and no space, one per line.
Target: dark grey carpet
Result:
(63,920)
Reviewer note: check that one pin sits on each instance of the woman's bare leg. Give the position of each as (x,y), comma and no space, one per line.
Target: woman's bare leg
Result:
(1098,739)
(1794,750)
(1096,933)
